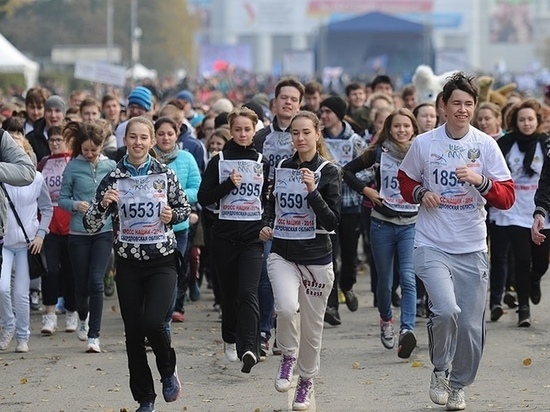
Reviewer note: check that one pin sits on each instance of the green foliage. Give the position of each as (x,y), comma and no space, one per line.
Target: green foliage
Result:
(166,43)
(12,79)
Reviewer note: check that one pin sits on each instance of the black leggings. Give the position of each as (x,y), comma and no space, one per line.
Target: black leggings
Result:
(145,291)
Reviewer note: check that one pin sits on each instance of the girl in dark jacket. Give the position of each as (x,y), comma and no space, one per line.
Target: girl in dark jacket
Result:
(303,211)
(235,184)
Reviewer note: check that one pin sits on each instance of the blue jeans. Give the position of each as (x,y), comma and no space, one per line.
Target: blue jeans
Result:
(89,259)
(265,294)
(387,240)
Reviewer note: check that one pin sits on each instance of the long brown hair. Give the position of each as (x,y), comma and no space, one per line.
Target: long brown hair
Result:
(386,129)
(78,133)
(321,146)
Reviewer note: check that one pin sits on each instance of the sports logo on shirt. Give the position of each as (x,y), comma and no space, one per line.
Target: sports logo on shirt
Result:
(473,154)
(159,185)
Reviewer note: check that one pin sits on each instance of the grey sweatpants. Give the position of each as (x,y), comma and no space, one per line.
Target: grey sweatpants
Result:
(306,288)
(457,291)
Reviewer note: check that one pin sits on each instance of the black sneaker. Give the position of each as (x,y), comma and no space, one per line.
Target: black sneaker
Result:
(524,320)
(535,292)
(510,300)
(407,343)
(496,313)
(249,360)
(332,317)
(146,407)
(351,300)
(171,387)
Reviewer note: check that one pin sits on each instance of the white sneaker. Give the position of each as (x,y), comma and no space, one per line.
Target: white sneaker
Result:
(93,346)
(22,346)
(304,389)
(284,373)
(49,323)
(71,322)
(456,401)
(439,387)
(82,331)
(230,350)
(5,339)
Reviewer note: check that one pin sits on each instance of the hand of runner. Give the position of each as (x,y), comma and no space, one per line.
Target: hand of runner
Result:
(166,214)
(82,206)
(266,233)
(309,179)
(236,178)
(467,175)
(538,224)
(109,197)
(431,199)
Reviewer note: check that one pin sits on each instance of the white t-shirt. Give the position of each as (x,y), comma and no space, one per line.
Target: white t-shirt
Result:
(521,213)
(458,224)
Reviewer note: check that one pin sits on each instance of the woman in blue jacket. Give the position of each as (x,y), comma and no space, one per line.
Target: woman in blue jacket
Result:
(184,164)
(89,252)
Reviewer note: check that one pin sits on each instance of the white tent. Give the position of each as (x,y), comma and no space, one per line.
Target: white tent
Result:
(13,61)
(139,72)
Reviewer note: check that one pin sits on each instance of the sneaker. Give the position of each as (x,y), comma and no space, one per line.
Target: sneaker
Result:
(332,317)
(284,374)
(535,292)
(276,351)
(35,300)
(194,292)
(5,339)
(230,350)
(510,299)
(146,407)
(249,360)
(22,346)
(407,343)
(171,387)
(496,313)
(60,306)
(456,401)
(71,321)
(82,331)
(178,316)
(264,345)
(304,389)
(387,335)
(93,346)
(439,387)
(351,300)
(49,323)
(524,320)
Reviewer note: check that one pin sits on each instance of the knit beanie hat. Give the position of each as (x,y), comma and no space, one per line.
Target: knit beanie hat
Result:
(186,95)
(222,105)
(337,105)
(141,96)
(55,102)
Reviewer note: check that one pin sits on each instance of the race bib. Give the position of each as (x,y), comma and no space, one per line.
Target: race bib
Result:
(389,186)
(53,176)
(243,202)
(140,203)
(277,147)
(340,150)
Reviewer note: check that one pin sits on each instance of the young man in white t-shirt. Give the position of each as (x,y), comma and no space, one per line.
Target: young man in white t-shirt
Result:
(453,171)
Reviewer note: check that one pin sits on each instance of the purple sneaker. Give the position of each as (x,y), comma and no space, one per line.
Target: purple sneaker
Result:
(304,389)
(171,387)
(284,374)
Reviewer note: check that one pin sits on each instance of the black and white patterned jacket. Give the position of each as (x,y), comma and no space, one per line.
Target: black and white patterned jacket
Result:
(177,199)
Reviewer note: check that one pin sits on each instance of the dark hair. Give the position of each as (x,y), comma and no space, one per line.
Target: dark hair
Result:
(166,119)
(37,96)
(526,104)
(408,90)
(460,81)
(54,130)
(13,124)
(381,79)
(416,110)
(107,98)
(82,132)
(351,87)
(438,99)
(313,87)
(289,82)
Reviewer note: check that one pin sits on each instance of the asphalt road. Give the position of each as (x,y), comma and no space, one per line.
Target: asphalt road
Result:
(357,373)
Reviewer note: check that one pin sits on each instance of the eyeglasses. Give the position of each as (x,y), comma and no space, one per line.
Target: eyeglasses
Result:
(55,141)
